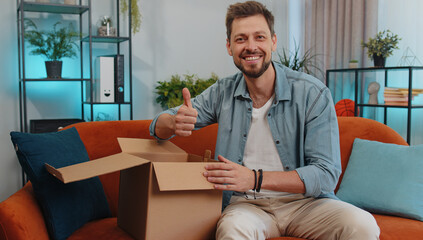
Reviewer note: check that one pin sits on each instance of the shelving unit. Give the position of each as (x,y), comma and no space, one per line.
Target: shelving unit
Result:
(82,9)
(359,79)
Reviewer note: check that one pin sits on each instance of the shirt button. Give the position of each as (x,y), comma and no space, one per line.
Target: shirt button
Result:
(287,167)
(277,142)
(249,109)
(268,114)
(245,135)
(239,160)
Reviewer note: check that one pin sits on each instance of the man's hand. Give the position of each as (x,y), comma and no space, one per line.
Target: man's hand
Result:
(186,116)
(229,176)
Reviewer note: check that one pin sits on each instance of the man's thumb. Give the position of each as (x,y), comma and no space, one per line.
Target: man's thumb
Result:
(187,97)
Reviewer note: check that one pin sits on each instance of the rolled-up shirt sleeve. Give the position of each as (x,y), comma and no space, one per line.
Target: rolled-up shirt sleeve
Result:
(171,111)
(321,147)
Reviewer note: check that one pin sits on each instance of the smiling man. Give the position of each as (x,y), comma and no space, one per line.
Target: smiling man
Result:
(278,140)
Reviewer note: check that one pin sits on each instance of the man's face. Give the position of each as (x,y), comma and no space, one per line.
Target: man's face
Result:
(251,45)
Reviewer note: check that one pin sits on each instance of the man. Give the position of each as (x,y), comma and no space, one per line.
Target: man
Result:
(278,140)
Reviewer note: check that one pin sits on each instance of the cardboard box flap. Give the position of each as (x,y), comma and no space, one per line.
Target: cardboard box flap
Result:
(181,176)
(137,145)
(96,167)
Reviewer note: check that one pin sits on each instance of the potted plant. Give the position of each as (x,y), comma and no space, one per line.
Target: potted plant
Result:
(54,45)
(381,47)
(135,14)
(170,92)
(304,63)
(353,63)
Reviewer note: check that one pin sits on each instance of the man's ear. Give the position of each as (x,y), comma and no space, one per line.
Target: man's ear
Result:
(274,42)
(228,47)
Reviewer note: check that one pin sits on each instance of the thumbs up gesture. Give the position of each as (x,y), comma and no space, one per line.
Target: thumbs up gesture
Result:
(186,116)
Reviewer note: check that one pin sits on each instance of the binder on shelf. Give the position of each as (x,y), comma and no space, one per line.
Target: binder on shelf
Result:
(119,79)
(109,79)
(104,86)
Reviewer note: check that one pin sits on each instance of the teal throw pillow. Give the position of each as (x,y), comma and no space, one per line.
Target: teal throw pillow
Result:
(66,207)
(384,178)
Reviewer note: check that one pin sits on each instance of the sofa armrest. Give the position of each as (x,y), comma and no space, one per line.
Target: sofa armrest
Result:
(21,216)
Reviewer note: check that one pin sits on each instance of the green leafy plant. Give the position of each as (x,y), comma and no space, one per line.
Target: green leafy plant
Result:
(135,14)
(54,44)
(106,20)
(382,45)
(293,60)
(170,92)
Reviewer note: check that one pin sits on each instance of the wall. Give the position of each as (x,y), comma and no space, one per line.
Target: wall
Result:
(176,37)
(9,107)
(185,37)
(404,18)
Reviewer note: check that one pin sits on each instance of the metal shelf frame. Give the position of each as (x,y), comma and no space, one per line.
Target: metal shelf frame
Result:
(81,9)
(359,99)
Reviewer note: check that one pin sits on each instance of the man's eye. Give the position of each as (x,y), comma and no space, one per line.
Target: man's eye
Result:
(260,37)
(239,39)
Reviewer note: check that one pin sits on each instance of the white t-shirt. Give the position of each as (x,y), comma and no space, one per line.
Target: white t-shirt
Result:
(260,150)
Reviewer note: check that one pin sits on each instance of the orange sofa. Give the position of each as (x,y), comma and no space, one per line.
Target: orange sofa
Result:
(21,217)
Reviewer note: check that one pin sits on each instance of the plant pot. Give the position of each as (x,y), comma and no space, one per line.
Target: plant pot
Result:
(54,69)
(379,61)
(353,65)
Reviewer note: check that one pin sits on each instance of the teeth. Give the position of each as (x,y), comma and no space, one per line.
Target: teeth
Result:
(251,58)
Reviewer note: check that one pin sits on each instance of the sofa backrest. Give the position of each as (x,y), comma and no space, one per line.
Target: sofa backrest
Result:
(100,139)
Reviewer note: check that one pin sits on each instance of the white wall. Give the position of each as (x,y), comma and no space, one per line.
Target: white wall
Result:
(176,37)
(405,19)
(9,108)
(185,37)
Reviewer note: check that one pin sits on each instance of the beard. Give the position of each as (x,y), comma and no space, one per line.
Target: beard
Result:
(253,73)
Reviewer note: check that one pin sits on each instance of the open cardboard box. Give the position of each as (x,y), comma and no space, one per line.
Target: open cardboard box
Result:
(162,193)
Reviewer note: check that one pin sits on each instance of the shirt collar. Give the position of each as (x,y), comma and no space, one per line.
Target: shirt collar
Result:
(282,88)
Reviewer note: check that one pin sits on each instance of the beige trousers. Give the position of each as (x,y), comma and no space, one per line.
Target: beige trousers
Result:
(295,216)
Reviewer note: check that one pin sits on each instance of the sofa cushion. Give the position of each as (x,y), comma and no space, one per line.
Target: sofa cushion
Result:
(66,207)
(384,178)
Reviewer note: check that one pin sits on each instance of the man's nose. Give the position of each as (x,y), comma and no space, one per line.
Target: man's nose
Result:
(251,45)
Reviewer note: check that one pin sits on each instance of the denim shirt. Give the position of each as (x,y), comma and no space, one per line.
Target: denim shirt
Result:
(302,120)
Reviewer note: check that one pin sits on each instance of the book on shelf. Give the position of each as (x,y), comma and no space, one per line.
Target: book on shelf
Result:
(397,103)
(402,91)
(396,98)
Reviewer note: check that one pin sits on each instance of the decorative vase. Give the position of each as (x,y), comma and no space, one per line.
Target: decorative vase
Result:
(379,61)
(54,69)
(106,31)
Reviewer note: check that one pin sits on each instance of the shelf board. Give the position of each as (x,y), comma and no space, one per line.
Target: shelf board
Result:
(375,69)
(105,103)
(53,8)
(54,79)
(101,39)
(390,106)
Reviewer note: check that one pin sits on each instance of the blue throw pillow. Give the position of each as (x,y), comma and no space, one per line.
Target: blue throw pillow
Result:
(66,207)
(384,178)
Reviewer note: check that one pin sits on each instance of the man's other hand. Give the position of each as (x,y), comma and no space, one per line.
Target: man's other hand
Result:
(229,176)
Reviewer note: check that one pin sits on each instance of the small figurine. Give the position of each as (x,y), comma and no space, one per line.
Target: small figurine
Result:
(373,89)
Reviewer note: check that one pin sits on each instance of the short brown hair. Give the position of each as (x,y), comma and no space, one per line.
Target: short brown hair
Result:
(247,9)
